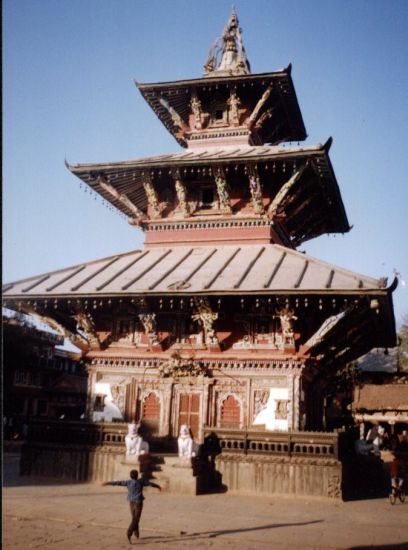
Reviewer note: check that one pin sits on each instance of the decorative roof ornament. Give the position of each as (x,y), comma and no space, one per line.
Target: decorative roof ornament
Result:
(227,55)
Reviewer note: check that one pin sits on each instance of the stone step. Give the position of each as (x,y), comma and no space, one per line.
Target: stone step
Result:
(173,474)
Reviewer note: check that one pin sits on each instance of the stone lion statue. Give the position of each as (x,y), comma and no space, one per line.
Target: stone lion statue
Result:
(187,447)
(135,445)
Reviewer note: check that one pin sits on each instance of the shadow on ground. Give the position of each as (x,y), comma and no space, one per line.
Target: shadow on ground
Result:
(402,546)
(184,536)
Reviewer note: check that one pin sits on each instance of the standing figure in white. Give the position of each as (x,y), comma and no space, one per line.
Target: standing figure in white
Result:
(135,445)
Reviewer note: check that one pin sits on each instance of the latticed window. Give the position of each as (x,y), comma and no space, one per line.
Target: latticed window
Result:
(22,378)
(230,413)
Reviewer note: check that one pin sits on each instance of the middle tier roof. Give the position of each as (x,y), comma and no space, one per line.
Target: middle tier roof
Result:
(308,207)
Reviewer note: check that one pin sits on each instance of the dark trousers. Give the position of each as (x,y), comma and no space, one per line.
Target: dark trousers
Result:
(135,511)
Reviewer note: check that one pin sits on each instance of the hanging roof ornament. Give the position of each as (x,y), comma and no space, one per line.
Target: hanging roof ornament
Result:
(227,55)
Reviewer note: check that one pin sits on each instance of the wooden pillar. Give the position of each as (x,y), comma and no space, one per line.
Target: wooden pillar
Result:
(90,394)
(296,402)
(165,420)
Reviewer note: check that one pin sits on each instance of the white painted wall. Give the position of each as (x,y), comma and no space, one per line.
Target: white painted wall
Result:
(267,415)
(110,410)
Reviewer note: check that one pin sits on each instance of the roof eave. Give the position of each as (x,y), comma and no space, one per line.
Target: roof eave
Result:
(370,292)
(208,81)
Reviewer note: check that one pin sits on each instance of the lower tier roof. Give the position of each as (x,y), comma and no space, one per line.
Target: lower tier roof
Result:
(228,269)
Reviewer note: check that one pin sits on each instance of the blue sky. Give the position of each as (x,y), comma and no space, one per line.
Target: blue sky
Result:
(68,92)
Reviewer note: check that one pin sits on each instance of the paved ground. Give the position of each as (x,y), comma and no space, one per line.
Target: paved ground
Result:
(45,514)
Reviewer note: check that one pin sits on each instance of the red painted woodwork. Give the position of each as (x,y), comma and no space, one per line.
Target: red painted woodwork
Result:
(232,235)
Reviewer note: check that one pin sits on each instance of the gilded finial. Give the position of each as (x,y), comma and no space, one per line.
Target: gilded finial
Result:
(227,55)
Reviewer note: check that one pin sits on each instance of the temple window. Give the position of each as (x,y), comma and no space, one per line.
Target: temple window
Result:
(207,198)
(189,332)
(230,415)
(42,407)
(99,402)
(125,330)
(151,412)
(218,115)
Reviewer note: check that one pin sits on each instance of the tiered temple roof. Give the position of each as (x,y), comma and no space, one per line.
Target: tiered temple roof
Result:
(222,218)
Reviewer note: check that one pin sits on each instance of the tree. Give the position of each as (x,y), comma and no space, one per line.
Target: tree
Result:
(403,344)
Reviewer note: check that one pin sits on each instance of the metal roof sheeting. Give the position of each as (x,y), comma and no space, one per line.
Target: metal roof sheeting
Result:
(232,152)
(203,269)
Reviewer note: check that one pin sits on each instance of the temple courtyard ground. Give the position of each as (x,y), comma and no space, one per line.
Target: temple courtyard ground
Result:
(50,515)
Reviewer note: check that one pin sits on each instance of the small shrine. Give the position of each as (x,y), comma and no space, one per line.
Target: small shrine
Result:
(219,321)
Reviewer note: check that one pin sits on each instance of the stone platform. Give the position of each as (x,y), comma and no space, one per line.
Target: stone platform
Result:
(250,462)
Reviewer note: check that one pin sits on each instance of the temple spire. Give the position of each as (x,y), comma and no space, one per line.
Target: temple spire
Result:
(227,55)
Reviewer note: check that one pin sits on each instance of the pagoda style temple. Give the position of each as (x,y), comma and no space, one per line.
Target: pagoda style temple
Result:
(219,321)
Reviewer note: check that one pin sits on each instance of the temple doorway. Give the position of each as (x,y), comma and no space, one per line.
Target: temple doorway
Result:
(151,412)
(189,412)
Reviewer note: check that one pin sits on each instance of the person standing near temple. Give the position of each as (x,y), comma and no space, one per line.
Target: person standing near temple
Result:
(375,437)
(135,498)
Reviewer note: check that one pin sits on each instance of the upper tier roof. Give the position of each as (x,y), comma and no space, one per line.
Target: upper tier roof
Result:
(229,104)
(285,122)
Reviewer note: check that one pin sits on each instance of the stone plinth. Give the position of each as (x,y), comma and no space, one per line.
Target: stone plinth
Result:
(123,465)
(176,475)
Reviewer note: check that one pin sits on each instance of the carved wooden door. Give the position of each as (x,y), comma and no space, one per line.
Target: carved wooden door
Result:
(189,412)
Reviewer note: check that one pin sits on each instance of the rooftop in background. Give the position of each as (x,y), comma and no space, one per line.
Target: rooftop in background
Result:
(385,397)
(63,345)
(379,360)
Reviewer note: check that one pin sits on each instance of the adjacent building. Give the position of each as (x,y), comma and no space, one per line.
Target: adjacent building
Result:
(41,378)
